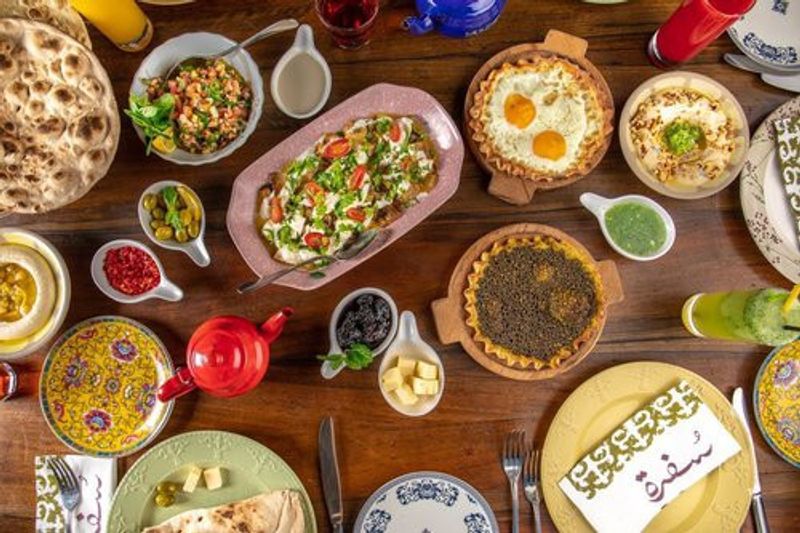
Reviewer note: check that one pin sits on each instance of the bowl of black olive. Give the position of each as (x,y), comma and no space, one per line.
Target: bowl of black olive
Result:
(364,323)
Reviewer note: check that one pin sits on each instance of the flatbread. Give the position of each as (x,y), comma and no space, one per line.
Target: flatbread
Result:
(57,13)
(270,512)
(59,124)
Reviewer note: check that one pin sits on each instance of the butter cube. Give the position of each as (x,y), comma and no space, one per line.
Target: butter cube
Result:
(406,395)
(427,370)
(213,478)
(392,379)
(406,365)
(424,387)
(192,479)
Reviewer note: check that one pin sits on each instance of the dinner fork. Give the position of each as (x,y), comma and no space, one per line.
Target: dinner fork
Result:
(530,482)
(68,486)
(513,454)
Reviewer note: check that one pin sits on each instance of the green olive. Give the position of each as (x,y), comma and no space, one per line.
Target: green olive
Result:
(181,235)
(194,229)
(167,487)
(186,217)
(164,233)
(150,202)
(163,499)
(155,223)
(158,213)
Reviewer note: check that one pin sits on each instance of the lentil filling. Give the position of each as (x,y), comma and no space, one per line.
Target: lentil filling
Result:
(535,302)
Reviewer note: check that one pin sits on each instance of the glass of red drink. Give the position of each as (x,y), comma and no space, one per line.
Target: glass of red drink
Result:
(8,381)
(348,21)
(692,27)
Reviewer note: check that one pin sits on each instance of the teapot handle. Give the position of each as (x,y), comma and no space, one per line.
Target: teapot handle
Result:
(178,385)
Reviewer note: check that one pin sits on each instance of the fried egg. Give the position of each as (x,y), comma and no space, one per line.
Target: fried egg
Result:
(541,115)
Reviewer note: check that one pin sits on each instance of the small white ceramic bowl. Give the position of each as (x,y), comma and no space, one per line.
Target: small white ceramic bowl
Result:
(328,372)
(19,349)
(303,44)
(598,206)
(195,248)
(166,290)
(410,344)
(164,57)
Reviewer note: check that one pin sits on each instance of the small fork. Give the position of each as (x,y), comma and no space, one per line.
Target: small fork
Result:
(530,483)
(513,454)
(68,486)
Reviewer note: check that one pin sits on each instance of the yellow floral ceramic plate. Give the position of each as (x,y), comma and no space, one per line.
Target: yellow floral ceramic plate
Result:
(719,502)
(776,400)
(98,386)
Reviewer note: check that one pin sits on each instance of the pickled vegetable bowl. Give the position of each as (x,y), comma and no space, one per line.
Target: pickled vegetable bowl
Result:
(175,214)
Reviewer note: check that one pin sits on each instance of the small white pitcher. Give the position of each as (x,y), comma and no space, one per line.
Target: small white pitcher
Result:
(303,49)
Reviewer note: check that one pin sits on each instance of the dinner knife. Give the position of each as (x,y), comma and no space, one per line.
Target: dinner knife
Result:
(787,83)
(757,502)
(329,470)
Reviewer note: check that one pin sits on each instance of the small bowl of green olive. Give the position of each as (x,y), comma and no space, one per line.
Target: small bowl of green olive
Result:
(173,217)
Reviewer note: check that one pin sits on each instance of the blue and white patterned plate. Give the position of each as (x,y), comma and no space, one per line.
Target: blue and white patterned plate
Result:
(770,34)
(426,502)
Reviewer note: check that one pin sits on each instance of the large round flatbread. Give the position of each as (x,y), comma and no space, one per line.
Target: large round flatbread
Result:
(57,13)
(59,124)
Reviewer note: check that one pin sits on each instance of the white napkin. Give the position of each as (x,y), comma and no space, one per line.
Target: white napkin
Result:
(98,478)
(659,452)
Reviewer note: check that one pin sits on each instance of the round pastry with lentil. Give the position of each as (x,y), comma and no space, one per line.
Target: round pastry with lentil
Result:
(534,301)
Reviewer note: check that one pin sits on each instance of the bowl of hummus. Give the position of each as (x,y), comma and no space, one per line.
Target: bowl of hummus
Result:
(684,135)
(34,292)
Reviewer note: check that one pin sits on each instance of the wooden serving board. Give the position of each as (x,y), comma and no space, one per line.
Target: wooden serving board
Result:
(520,191)
(450,317)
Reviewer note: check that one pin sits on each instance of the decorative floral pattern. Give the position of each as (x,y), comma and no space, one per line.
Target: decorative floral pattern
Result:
(779,55)
(778,401)
(427,489)
(779,6)
(98,386)
(426,502)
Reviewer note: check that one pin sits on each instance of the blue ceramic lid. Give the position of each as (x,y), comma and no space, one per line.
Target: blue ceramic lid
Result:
(455,18)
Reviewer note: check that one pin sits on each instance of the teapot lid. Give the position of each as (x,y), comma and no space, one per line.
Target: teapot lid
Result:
(227,356)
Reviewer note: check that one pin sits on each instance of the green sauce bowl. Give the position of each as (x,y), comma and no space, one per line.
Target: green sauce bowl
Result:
(645,223)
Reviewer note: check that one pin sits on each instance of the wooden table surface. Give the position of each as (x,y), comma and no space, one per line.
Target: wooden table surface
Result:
(463,436)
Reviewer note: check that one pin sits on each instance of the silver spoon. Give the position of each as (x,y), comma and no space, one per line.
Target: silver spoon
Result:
(272,29)
(348,252)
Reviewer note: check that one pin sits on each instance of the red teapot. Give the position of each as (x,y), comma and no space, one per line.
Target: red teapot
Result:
(226,356)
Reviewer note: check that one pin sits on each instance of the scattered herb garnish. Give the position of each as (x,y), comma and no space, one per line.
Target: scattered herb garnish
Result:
(172,216)
(682,137)
(155,118)
(357,357)
(317,274)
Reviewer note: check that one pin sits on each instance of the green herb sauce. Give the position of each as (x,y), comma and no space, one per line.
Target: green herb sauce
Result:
(636,228)
(682,137)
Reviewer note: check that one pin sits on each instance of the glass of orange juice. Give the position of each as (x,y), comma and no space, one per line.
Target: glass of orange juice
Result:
(122,21)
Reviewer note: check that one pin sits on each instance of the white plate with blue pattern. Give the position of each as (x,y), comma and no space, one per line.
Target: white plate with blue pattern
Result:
(770,34)
(426,502)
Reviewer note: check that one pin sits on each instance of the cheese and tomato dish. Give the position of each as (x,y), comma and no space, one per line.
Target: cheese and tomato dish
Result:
(363,176)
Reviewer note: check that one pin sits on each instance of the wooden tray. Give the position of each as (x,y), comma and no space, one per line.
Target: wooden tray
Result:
(450,317)
(520,191)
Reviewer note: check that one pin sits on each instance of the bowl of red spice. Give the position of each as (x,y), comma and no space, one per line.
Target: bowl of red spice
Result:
(128,272)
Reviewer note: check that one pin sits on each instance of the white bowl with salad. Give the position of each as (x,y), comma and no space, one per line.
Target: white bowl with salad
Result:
(202,113)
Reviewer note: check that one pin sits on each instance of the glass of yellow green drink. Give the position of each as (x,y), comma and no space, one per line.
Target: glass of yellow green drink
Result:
(762,316)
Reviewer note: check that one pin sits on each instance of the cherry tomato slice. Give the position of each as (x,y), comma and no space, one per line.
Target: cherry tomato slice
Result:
(275,209)
(395,132)
(313,188)
(357,177)
(336,149)
(356,213)
(314,240)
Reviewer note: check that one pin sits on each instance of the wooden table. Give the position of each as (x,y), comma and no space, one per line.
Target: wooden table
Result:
(463,436)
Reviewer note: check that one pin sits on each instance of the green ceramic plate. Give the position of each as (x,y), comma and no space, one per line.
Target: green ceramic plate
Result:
(248,469)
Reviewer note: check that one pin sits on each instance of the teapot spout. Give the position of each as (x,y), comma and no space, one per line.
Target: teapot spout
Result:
(273,327)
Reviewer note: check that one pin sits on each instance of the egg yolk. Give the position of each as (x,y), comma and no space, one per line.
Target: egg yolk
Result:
(550,145)
(519,110)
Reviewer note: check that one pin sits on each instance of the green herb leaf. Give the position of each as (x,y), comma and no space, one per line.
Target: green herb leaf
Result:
(357,357)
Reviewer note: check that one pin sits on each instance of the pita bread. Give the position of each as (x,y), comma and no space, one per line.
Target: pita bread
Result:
(57,13)
(270,512)
(59,124)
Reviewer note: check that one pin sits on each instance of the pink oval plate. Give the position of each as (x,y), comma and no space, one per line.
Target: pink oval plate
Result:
(380,98)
